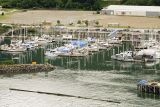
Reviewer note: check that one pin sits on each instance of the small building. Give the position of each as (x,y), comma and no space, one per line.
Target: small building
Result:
(127,10)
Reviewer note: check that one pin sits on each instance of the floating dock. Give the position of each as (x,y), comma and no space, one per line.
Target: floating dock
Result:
(149,87)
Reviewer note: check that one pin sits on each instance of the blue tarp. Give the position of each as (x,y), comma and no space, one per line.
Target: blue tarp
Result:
(79,43)
(143,82)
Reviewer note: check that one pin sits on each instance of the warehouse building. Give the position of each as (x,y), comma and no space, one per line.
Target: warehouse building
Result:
(149,11)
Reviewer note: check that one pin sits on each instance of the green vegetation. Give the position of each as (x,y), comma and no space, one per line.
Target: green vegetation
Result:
(7,62)
(4,29)
(59,4)
(3,17)
(72,4)
(141,2)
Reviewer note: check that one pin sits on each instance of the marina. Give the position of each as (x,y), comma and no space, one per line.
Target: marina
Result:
(102,63)
(79,53)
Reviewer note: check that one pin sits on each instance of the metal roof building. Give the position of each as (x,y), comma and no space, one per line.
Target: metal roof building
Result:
(150,11)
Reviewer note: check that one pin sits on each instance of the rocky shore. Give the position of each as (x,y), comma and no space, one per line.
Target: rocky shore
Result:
(25,68)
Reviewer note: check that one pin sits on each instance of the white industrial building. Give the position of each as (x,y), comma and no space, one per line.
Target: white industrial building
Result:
(150,11)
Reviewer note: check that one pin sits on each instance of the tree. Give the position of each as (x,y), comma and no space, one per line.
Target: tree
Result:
(2,13)
(86,22)
(79,22)
(68,4)
(58,22)
(97,23)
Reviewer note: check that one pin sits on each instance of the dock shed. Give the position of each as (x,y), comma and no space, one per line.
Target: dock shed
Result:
(130,10)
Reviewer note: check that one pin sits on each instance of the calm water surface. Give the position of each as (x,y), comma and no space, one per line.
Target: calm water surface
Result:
(95,77)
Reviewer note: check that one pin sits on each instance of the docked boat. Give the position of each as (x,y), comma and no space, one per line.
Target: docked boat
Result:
(13,48)
(42,41)
(124,56)
(51,53)
(16,49)
(58,51)
(93,48)
(114,41)
(75,53)
(103,45)
(152,87)
(148,55)
(30,45)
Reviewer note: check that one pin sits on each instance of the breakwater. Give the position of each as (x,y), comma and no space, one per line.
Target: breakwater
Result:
(25,68)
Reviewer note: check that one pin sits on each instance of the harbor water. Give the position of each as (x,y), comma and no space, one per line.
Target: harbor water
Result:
(91,81)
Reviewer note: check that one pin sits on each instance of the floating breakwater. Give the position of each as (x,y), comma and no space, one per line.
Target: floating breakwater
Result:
(25,68)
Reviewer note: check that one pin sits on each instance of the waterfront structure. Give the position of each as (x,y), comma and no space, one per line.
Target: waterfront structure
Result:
(128,10)
(152,87)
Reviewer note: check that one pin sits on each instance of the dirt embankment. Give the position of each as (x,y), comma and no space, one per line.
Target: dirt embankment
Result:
(66,17)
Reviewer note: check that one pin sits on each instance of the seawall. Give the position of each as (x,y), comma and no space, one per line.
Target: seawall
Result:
(25,68)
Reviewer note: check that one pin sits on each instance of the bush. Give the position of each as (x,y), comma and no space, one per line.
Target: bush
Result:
(79,22)
(2,13)
(98,12)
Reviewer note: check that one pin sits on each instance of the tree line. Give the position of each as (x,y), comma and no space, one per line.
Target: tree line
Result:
(141,2)
(59,4)
(72,4)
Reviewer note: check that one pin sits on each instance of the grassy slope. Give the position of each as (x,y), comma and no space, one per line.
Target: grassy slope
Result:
(8,12)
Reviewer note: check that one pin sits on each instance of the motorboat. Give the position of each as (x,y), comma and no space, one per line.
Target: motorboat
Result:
(93,48)
(51,53)
(124,56)
(148,55)
(30,45)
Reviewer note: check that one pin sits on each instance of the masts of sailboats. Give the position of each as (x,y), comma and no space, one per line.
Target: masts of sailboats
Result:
(24,30)
(41,30)
(12,31)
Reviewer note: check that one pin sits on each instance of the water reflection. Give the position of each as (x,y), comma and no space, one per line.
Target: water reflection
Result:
(101,61)
(146,95)
(24,58)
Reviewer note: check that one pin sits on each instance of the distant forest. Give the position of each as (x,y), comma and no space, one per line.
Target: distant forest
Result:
(141,2)
(59,4)
(72,4)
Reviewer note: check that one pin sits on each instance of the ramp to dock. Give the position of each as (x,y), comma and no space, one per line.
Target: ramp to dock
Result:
(113,34)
